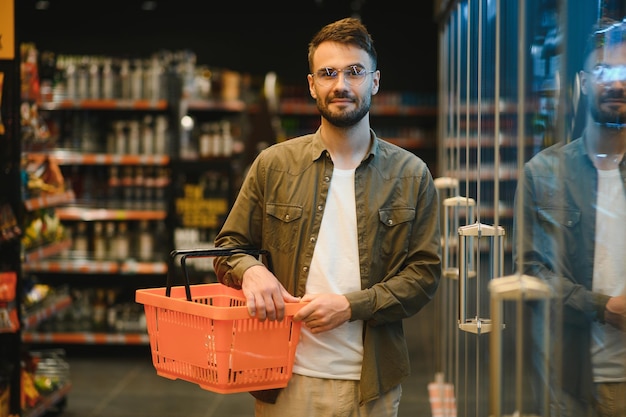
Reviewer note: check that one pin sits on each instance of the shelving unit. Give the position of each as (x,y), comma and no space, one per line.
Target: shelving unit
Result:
(48,307)
(120,192)
(478,141)
(206,174)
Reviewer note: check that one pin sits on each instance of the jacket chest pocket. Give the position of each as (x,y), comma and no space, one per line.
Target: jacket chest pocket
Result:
(395,228)
(560,218)
(283,225)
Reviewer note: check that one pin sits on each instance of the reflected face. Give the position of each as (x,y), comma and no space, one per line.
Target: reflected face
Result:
(605,84)
(343,100)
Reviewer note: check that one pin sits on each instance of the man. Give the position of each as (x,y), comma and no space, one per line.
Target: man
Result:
(352,226)
(574,217)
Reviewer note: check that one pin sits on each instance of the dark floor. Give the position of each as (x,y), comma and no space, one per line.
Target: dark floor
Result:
(121,382)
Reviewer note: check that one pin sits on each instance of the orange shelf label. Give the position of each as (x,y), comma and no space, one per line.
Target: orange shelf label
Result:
(7,29)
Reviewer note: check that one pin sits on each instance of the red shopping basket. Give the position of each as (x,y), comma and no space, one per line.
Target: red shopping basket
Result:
(204,334)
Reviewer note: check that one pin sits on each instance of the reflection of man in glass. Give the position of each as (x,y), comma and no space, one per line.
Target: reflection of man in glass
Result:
(574,237)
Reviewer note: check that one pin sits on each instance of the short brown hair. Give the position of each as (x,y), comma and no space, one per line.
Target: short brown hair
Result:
(348,31)
(606,32)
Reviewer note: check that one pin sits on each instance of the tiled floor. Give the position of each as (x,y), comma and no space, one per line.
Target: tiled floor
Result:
(121,382)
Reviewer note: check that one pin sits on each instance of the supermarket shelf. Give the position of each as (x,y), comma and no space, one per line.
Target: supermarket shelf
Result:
(485,140)
(105,104)
(57,304)
(87,338)
(47,251)
(398,110)
(486,172)
(411,143)
(489,107)
(215,105)
(87,266)
(69,157)
(48,402)
(49,200)
(93,214)
(143,268)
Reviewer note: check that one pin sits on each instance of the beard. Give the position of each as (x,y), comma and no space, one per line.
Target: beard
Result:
(344,118)
(601,115)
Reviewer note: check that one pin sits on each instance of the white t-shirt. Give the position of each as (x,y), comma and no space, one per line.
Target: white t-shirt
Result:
(609,275)
(338,353)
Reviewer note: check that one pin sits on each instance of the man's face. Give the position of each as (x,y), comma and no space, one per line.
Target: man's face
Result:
(343,99)
(604,82)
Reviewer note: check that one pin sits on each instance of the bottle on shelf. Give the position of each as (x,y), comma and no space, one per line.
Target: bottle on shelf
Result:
(139,185)
(145,242)
(161,143)
(127,183)
(81,241)
(121,242)
(99,242)
(119,134)
(112,308)
(149,183)
(134,140)
(108,89)
(99,311)
(113,188)
(109,237)
(147,136)
(125,83)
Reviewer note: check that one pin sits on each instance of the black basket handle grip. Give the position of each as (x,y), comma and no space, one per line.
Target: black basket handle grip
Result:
(207,253)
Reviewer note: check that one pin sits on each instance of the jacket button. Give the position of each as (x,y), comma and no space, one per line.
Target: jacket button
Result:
(390,222)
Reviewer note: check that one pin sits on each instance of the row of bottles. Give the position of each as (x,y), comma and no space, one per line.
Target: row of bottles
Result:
(118,241)
(124,187)
(72,77)
(144,135)
(212,139)
(61,77)
(97,309)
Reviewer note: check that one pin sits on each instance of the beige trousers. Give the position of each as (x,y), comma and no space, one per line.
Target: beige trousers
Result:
(315,397)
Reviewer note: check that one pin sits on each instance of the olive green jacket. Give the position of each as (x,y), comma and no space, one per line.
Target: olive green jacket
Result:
(280,208)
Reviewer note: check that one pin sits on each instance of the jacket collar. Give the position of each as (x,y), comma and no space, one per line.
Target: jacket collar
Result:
(318,148)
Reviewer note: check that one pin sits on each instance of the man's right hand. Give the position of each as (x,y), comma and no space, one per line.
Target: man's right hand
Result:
(265,295)
(615,312)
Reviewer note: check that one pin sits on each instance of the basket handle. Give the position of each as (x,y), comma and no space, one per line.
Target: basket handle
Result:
(207,253)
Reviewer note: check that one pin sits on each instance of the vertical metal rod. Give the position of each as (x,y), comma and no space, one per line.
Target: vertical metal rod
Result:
(496,358)
(446,238)
(457,148)
(462,280)
(546,357)
(521,91)
(496,133)
(519,358)
(479,111)
(468,48)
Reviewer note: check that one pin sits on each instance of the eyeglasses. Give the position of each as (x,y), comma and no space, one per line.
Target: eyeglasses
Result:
(604,73)
(353,75)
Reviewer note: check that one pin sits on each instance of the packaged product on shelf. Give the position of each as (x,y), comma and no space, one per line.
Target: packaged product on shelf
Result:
(9,229)
(43,174)
(9,322)
(29,72)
